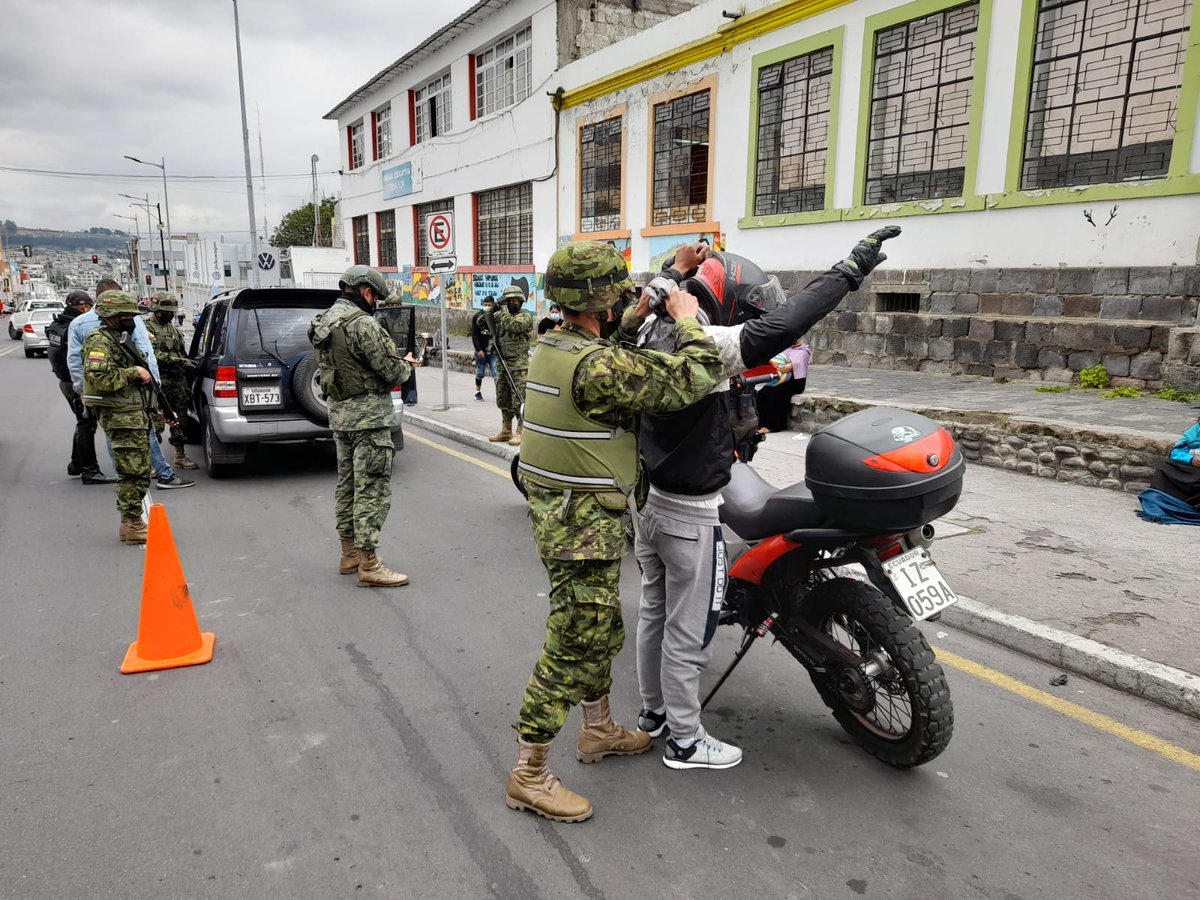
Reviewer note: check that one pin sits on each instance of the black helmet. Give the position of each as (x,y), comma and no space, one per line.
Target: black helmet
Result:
(732,289)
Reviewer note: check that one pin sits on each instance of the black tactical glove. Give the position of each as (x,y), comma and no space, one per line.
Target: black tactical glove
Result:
(866,255)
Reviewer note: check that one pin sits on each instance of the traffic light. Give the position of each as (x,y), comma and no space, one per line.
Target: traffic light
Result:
(27,249)
(148,281)
(95,259)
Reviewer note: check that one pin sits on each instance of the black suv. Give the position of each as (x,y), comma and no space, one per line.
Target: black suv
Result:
(256,375)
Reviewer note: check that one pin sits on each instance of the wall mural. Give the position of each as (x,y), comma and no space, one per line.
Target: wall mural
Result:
(464,290)
(663,247)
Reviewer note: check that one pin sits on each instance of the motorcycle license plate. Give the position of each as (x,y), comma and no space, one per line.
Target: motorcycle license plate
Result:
(261,397)
(919,582)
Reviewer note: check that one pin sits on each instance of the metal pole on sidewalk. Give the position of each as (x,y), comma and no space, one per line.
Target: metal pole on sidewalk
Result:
(445,349)
(237,34)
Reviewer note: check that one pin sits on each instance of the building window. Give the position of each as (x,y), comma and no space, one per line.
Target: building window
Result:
(383,132)
(600,176)
(794,105)
(362,243)
(357,148)
(504,227)
(431,109)
(921,107)
(421,211)
(385,222)
(504,73)
(1104,97)
(681,160)
(228,270)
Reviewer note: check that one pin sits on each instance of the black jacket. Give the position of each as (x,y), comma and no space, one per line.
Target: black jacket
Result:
(56,333)
(481,334)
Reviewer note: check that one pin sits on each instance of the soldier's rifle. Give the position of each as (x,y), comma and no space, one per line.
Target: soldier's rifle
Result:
(135,354)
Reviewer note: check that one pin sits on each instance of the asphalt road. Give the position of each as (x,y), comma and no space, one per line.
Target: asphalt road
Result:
(352,743)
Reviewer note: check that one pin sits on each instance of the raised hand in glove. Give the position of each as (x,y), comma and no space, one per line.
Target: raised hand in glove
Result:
(866,255)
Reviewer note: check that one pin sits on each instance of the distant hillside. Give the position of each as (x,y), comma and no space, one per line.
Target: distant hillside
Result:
(94,239)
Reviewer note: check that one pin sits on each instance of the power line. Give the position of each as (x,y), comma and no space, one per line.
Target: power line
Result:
(54,173)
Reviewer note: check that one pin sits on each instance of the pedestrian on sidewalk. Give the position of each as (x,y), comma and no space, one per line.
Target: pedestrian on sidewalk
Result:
(550,320)
(688,457)
(484,343)
(775,400)
(174,364)
(165,477)
(1173,497)
(357,367)
(83,444)
(580,463)
(513,329)
(117,387)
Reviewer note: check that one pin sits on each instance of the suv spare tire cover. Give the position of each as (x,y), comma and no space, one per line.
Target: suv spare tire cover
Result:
(304,389)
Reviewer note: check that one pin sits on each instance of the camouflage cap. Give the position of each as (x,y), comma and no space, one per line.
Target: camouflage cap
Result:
(512,292)
(356,275)
(587,276)
(114,303)
(164,302)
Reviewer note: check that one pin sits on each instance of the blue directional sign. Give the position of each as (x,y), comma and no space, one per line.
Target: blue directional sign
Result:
(398,181)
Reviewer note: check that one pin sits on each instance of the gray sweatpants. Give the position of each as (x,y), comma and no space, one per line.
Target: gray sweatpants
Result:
(682,557)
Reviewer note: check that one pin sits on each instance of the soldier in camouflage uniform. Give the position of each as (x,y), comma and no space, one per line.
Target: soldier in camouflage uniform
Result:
(580,464)
(116,387)
(358,365)
(173,366)
(513,331)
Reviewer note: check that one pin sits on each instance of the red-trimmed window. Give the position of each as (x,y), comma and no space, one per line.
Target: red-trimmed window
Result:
(381,132)
(420,212)
(504,226)
(504,72)
(385,233)
(357,148)
(431,109)
(362,242)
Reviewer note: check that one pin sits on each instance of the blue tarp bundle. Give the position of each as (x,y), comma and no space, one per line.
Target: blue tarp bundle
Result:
(1163,509)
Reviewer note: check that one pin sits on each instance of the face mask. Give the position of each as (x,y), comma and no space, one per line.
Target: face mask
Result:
(555,317)
(163,317)
(125,325)
(514,307)
(488,307)
(608,324)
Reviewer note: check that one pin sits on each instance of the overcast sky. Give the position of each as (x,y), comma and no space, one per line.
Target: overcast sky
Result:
(84,82)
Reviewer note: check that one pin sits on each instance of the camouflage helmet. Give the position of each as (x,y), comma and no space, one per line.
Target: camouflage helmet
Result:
(164,302)
(512,292)
(587,276)
(115,303)
(356,275)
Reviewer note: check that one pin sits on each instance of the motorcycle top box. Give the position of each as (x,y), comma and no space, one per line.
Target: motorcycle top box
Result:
(884,469)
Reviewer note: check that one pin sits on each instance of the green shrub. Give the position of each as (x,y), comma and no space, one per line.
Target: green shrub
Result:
(1052,389)
(1172,393)
(1122,393)
(1094,377)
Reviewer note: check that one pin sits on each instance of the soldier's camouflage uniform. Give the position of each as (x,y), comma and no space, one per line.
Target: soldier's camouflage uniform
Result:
(172,366)
(121,402)
(513,336)
(581,542)
(358,366)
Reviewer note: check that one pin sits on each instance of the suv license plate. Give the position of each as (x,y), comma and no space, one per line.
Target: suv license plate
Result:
(920,584)
(261,397)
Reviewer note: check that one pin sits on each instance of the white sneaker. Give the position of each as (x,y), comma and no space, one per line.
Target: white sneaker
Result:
(706,753)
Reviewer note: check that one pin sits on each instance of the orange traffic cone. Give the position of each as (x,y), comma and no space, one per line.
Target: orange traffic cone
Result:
(168,634)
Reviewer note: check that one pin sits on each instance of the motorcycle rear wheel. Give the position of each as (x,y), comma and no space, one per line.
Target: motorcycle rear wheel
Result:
(909,719)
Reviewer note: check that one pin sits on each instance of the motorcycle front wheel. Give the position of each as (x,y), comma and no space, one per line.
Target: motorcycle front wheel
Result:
(900,712)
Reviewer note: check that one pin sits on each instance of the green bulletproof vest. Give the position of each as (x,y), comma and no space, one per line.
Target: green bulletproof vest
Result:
(167,339)
(130,398)
(560,447)
(340,373)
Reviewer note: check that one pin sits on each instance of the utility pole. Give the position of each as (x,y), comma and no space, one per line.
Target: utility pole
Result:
(237,34)
(316,205)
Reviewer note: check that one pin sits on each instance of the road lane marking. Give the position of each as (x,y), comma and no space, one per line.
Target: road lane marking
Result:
(1071,710)
(1074,711)
(8,351)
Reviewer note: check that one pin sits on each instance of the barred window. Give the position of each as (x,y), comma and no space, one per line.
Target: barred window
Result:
(1104,96)
(422,211)
(431,108)
(793,134)
(357,149)
(386,222)
(383,132)
(681,160)
(504,229)
(600,176)
(921,107)
(504,72)
(362,242)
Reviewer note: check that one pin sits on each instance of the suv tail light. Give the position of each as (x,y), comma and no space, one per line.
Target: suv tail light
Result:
(226,384)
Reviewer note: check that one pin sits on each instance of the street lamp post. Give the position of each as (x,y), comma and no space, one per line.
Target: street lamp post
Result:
(161,246)
(134,265)
(167,201)
(237,35)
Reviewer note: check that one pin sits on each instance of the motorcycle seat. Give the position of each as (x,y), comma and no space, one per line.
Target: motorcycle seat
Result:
(755,509)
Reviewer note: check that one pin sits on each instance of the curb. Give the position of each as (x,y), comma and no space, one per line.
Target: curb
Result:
(1162,684)
(1144,678)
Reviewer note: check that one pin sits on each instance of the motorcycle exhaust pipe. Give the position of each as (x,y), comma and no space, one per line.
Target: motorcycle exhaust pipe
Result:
(922,537)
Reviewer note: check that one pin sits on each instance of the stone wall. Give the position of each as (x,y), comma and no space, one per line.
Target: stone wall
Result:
(1020,324)
(1115,460)
(585,26)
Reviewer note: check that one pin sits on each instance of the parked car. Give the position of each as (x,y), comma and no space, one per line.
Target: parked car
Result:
(256,373)
(33,332)
(16,325)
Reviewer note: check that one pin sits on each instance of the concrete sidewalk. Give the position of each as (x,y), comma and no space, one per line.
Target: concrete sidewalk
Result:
(1065,573)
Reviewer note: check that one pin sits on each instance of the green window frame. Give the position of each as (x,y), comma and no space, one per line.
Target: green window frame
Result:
(827,40)
(1178,180)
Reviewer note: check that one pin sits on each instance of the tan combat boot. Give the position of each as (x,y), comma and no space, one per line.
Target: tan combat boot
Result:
(504,433)
(181,460)
(133,531)
(373,573)
(531,787)
(602,737)
(348,564)
(516,438)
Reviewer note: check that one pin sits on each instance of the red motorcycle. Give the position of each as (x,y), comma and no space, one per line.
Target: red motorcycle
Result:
(874,482)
